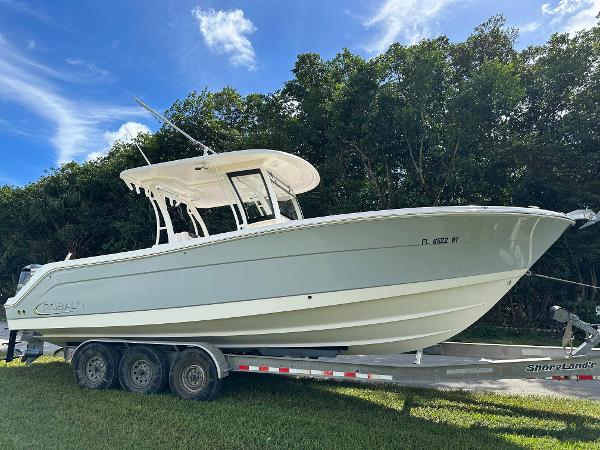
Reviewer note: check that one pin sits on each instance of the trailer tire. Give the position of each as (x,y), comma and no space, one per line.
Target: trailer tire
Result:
(95,366)
(144,370)
(193,376)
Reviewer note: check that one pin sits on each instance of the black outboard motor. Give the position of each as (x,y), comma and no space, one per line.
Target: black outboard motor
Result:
(26,274)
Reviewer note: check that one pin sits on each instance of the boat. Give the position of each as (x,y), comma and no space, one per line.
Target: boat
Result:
(362,283)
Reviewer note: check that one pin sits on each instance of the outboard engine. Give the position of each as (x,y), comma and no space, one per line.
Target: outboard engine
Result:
(26,274)
(35,348)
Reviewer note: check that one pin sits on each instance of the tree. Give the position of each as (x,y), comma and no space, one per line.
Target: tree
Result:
(434,123)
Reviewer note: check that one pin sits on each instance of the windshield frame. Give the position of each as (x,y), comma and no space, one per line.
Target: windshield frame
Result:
(269,197)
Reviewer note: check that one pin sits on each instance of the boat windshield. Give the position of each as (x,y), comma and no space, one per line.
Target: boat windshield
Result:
(286,199)
(252,191)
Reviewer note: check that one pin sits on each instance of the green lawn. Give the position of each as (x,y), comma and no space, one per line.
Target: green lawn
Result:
(41,406)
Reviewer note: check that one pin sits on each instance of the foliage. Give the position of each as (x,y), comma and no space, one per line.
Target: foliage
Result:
(435,123)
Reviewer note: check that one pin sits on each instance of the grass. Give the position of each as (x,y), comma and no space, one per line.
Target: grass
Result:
(41,407)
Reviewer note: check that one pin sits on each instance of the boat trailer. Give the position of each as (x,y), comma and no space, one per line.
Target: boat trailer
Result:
(448,361)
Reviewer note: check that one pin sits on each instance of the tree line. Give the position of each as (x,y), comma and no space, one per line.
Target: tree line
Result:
(434,123)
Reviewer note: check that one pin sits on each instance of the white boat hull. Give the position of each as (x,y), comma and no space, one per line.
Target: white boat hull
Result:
(365,284)
(386,319)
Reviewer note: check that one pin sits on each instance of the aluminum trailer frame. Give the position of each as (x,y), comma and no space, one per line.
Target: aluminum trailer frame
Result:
(431,368)
(444,362)
(447,361)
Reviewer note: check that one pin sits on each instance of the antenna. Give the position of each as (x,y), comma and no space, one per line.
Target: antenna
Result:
(205,149)
(136,144)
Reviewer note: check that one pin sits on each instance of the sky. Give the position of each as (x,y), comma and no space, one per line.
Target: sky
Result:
(68,69)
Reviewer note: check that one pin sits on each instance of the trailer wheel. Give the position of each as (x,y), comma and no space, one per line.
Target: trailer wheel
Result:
(143,369)
(193,376)
(95,366)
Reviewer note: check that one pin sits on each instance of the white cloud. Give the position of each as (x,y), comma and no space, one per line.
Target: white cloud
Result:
(77,126)
(224,32)
(126,133)
(16,128)
(89,68)
(26,8)
(406,20)
(529,27)
(563,7)
(31,45)
(573,15)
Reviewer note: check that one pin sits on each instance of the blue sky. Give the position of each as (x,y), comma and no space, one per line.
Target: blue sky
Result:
(68,69)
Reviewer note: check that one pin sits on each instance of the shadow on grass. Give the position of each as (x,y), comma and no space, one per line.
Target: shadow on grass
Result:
(574,427)
(269,411)
(480,418)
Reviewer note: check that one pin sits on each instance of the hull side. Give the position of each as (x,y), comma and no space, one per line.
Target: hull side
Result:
(372,284)
(373,320)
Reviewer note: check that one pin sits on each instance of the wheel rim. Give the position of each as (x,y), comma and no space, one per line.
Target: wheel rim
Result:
(192,378)
(95,369)
(140,373)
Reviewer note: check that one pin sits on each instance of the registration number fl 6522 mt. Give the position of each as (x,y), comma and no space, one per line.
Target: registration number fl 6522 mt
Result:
(440,240)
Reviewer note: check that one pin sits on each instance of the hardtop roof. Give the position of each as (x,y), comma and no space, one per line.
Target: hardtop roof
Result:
(197,181)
